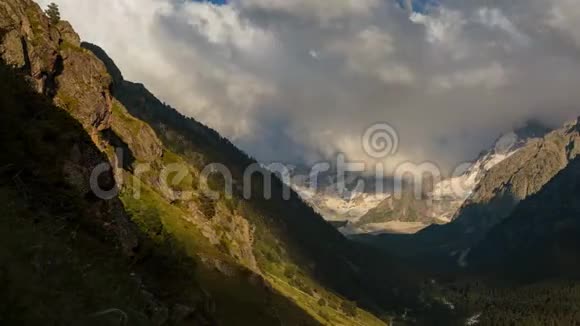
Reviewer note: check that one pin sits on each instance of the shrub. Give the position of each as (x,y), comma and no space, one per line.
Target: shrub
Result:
(53,13)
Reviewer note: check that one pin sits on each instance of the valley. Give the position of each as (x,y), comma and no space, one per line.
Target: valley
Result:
(121,209)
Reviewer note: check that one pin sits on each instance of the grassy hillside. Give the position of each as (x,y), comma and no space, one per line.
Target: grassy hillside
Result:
(63,250)
(151,255)
(288,234)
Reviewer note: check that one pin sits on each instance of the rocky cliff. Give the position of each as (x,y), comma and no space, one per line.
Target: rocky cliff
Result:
(518,177)
(61,121)
(441,204)
(52,61)
(499,191)
(56,64)
(187,260)
(540,238)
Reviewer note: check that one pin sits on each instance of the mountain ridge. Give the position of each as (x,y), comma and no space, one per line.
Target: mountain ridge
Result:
(441,203)
(202,235)
(500,190)
(309,219)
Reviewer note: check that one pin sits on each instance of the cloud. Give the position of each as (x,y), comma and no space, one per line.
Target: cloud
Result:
(300,80)
(488,78)
(310,10)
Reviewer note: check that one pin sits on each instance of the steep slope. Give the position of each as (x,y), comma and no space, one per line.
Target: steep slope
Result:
(509,182)
(290,238)
(521,175)
(441,204)
(69,258)
(526,269)
(172,261)
(59,235)
(542,234)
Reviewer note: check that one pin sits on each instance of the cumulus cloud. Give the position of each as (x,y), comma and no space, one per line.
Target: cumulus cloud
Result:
(300,80)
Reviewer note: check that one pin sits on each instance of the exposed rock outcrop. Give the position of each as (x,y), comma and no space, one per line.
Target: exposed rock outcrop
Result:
(518,177)
(230,232)
(56,64)
(541,236)
(139,137)
(499,192)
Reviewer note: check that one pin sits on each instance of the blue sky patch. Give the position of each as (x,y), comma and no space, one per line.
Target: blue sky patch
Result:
(421,6)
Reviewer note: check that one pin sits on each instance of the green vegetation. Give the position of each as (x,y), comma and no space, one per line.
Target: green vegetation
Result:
(545,303)
(53,272)
(58,266)
(125,120)
(330,314)
(285,232)
(60,248)
(68,46)
(68,102)
(236,300)
(349,308)
(53,13)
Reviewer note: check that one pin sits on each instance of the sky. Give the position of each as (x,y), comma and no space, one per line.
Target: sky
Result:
(300,80)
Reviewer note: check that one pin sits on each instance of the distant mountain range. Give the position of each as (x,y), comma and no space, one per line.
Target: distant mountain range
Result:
(367,212)
(96,231)
(542,234)
(152,248)
(324,194)
(495,199)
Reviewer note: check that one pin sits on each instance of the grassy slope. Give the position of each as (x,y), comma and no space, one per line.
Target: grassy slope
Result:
(53,273)
(160,220)
(56,266)
(89,274)
(60,267)
(289,234)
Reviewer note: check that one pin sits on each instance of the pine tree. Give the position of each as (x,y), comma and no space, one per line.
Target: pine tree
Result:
(53,13)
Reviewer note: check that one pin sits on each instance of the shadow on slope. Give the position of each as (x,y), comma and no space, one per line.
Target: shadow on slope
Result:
(353,270)
(541,238)
(69,258)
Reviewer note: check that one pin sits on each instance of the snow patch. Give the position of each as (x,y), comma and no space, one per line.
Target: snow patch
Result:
(448,303)
(462,261)
(473,320)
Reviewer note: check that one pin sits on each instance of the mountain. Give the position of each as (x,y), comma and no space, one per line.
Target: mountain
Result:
(513,180)
(404,214)
(97,229)
(70,257)
(541,236)
(324,194)
(525,269)
(408,214)
(499,191)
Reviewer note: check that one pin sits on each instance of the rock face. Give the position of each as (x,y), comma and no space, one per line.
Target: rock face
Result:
(515,179)
(442,203)
(541,235)
(403,208)
(56,64)
(518,177)
(71,110)
(139,137)
(57,67)
(78,82)
(82,87)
